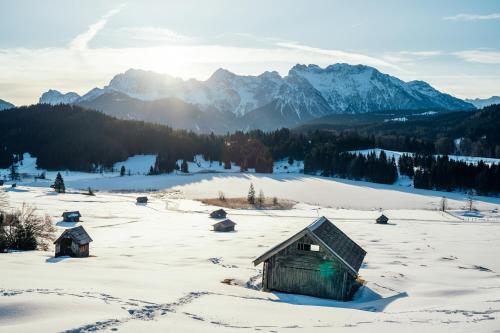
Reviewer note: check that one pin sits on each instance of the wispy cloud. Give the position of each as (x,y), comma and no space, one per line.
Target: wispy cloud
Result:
(155,34)
(81,41)
(340,56)
(472,17)
(410,56)
(479,56)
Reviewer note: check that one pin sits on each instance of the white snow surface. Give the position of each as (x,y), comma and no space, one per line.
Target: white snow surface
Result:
(398,154)
(158,267)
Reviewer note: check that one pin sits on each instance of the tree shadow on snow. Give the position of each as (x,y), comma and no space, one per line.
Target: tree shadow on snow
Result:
(55,260)
(66,224)
(365,299)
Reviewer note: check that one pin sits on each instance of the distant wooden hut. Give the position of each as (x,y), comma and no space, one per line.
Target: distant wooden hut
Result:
(73,242)
(320,260)
(142,200)
(73,216)
(382,219)
(218,214)
(224,226)
(1,182)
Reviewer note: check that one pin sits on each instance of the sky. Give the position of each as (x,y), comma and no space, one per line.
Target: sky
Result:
(72,45)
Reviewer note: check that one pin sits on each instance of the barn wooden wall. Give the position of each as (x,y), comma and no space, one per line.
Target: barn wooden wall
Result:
(308,272)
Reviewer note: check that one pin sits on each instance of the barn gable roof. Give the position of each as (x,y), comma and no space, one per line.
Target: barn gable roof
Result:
(225,223)
(77,234)
(382,218)
(331,238)
(72,214)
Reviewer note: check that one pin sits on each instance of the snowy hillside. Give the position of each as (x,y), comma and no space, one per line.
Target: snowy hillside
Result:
(397,155)
(5,105)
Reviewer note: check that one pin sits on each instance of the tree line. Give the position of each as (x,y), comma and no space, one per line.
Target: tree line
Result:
(70,137)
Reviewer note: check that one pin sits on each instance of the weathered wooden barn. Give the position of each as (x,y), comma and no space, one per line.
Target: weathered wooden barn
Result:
(382,219)
(224,226)
(142,200)
(71,216)
(319,261)
(73,242)
(218,214)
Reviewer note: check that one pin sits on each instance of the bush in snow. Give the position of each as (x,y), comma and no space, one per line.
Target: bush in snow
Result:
(24,229)
(261,198)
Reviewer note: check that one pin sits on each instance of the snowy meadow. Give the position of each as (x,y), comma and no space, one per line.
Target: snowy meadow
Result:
(160,267)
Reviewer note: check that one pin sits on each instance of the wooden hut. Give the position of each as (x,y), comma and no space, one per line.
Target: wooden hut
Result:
(218,214)
(142,200)
(382,219)
(224,226)
(319,261)
(73,216)
(73,242)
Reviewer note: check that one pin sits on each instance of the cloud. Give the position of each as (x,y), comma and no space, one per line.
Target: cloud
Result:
(155,34)
(410,56)
(472,17)
(479,56)
(81,41)
(340,56)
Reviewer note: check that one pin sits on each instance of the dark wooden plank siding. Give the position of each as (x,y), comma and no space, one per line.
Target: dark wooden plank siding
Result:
(314,273)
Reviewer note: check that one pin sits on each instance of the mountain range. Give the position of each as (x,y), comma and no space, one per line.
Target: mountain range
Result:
(227,101)
(481,103)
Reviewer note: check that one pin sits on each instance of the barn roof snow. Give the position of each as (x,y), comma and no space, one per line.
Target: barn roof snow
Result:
(225,223)
(72,214)
(78,234)
(331,238)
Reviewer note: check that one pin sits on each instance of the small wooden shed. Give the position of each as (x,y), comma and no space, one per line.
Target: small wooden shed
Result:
(218,214)
(73,242)
(382,219)
(320,260)
(142,200)
(224,226)
(73,216)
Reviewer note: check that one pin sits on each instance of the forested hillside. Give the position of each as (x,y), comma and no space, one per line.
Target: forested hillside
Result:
(70,137)
(476,132)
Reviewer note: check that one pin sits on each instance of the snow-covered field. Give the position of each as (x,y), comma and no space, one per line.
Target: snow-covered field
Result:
(398,154)
(158,268)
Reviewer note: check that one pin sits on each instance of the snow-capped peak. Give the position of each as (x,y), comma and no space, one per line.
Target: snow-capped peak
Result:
(308,91)
(56,97)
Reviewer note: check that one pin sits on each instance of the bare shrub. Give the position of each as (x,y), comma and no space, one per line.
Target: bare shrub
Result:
(25,229)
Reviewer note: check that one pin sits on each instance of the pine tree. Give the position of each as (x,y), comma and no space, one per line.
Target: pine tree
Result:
(184,167)
(261,199)
(122,171)
(251,195)
(59,184)
(14,175)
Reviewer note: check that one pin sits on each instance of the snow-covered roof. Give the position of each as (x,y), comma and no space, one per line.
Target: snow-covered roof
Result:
(72,214)
(77,234)
(225,223)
